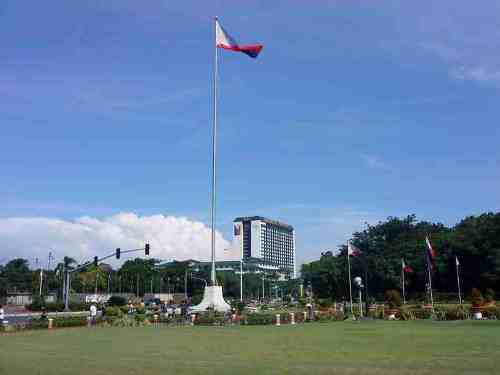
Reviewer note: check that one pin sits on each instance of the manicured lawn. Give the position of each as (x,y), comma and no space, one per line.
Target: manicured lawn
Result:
(378,347)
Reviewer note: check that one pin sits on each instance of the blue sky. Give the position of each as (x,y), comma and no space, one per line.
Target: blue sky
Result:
(353,112)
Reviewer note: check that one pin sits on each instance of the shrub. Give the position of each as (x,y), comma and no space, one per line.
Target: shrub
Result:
(489,295)
(55,306)
(299,316)
(424,313)
(117,301)
(124,309)
(491,312)
(476,297)
(37,303)
(196,299)
(140,310)
(124,321)
(209,318)
(329,317)
(71,321)
(259,319)
(450,312)
(325,303)
(37,324)
(113,311)
(407,313)
(238,306)
(393,299)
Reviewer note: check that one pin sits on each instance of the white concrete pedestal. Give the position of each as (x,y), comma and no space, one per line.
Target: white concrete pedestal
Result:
(212,299)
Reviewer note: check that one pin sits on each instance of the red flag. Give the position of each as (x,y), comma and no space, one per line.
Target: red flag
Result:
(224,40)
(406,268)
(353,250)
(431,254)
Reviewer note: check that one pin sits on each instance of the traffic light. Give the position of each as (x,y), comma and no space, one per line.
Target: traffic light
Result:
(146,249)
(96,260)
(118,251)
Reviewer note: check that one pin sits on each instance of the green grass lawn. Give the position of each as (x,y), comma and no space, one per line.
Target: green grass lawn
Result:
(375,347)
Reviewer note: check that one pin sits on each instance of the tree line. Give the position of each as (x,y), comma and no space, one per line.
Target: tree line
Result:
(136,276)
(475,241)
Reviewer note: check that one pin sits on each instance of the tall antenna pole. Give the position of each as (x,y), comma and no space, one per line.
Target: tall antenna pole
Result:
(214,155)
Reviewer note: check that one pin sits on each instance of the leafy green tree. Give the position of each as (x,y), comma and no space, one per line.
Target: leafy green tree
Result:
(475,240)
(17,275)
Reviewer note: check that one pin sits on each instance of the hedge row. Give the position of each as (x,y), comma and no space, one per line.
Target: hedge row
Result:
(57,307)
(72,321)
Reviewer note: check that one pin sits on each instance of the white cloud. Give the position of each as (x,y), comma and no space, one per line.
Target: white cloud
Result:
(465,39)
(476,73)
(170,237)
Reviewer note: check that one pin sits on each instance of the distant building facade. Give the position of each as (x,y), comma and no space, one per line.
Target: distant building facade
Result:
(271,241)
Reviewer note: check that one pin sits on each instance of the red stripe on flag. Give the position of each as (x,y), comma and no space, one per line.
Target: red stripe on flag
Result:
(408,269)
(252,50)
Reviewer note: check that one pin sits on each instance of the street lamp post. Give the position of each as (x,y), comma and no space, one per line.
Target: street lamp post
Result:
(358,281)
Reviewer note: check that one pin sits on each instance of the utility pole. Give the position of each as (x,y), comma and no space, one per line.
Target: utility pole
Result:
(63,281)
(66,294)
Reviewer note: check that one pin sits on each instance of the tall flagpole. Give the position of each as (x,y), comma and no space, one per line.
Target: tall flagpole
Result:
(403,279)
(350,287)
(458,280)
(214,154)
(430,285)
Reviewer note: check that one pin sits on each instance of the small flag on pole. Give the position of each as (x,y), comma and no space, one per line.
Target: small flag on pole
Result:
(431,254)
(406,268)
(224,40)
(353,250)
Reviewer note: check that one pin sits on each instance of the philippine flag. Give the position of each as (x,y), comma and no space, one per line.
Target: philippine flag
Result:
(431,253)
(224,40)
(353,250)
(406,268)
